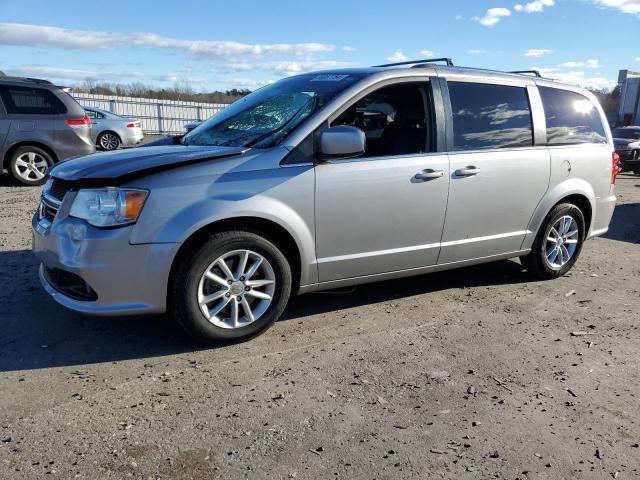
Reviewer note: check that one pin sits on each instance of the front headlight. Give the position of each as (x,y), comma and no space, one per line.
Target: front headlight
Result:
(109,207)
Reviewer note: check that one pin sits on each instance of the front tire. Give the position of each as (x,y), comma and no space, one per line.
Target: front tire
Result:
(108,141)
(29,165)
(558,243)
(233,287)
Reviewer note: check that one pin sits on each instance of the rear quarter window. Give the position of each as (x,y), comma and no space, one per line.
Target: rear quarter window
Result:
(571,118)
(487,116)
(30,101)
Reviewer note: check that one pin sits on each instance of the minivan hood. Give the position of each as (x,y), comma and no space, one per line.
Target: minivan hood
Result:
(122,165)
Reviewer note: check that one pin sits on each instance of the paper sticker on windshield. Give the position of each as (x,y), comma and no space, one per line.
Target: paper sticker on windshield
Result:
(328,77)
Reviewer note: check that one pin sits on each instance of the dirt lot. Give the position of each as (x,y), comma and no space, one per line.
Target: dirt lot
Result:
(465,374)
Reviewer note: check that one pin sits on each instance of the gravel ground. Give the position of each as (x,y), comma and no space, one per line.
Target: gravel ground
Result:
(465,374)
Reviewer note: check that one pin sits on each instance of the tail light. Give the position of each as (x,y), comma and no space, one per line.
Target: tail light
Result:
(79,122)
(133,125)
(615,167)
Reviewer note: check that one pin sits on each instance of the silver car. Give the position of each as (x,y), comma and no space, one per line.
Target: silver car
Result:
(110,131)
(40,125)
(326,180)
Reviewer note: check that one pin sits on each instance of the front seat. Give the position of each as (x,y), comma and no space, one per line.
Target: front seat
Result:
(409,136)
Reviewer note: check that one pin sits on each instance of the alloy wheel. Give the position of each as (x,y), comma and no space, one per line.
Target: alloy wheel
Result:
(562,241)
(31,166)
(109,141)
(236,289)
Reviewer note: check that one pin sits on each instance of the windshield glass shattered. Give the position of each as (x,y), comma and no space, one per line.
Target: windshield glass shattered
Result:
(265,117)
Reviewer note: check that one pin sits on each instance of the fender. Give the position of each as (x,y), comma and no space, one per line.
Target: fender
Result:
(268,194)
(573,186)
(274,211)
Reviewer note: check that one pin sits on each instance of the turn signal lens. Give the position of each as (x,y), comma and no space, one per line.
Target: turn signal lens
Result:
(133,203)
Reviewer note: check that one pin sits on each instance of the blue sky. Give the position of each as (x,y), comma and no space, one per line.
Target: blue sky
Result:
(222,45)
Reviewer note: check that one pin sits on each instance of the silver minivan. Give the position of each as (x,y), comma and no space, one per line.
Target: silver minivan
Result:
(40,125)
(326,180)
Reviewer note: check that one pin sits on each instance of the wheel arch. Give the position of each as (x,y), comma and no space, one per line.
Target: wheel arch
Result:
(280,235)
(27,143)
(575,191)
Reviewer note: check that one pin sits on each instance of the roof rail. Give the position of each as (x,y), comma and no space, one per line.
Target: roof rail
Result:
(448,61)
(535,73)
(25,79)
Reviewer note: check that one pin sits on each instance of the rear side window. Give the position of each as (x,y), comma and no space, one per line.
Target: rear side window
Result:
(490,116)
(28,100)
(571,118)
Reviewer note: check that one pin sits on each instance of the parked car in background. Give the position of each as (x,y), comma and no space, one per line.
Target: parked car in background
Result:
(627,143)
(190,126)
(40,125)
(111,131)
(326,180)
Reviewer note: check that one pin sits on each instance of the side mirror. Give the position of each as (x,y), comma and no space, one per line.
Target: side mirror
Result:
(342,141)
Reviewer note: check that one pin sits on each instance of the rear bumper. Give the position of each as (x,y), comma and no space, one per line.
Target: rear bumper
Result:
(123,279)
(133,137)
(602,215)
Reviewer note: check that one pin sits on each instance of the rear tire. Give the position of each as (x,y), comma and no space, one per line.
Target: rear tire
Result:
(218,296)
(108,141)
(636,171)
(556,248)
(29,165)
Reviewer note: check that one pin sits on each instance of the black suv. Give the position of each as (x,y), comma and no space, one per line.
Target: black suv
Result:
(627,145)
(40,124)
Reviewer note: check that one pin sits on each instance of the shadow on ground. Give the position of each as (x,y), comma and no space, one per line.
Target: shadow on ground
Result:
(37,333)
(625,224)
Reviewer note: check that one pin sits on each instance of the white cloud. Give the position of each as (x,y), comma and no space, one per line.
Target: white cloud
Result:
(286,67)
(579,78)
(347,48)
(535,6)
(398,56)
(571,64)
(250,83)
(625,6)
(537,52)
(493,16)
(71,74)
(637,59)
(591,63)
(18,34)
(427,53)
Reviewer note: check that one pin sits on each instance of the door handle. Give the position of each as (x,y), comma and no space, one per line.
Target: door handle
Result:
(429,174)
(467,171)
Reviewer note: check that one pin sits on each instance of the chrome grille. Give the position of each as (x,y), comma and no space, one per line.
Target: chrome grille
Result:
(48,209)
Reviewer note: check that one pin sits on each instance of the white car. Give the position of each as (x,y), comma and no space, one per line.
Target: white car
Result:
(110,131)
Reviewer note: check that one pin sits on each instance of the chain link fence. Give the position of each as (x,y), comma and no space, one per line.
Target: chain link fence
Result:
(158,117)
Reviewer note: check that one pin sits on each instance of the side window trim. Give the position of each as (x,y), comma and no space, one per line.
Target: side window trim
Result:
(450,147)
(538,117)
(600,119)
(448,112)
(429,100)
